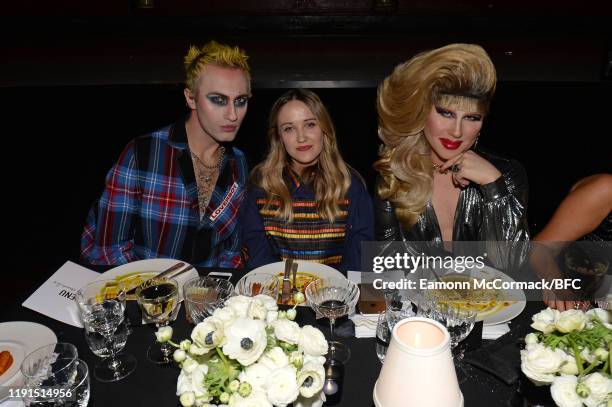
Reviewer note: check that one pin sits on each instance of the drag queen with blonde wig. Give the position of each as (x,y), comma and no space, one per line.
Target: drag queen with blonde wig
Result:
(435,184)
(304,201)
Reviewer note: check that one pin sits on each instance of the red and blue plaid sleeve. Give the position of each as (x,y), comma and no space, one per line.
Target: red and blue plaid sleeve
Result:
(108,234)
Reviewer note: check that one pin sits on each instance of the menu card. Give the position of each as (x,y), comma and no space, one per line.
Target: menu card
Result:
(55,298)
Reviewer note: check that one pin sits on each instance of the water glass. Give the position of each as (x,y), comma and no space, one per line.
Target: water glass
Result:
(383,336)
(99,345)
(203,295)
(50,362)
(258,283)
(398,307)
(458,321)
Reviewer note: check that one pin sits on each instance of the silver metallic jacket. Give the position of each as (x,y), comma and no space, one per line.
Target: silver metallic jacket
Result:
(492,212)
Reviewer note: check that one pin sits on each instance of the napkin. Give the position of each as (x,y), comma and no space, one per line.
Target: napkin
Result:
(365,325)
(494,331)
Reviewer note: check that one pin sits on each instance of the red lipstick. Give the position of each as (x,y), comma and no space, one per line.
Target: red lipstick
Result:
(450,144)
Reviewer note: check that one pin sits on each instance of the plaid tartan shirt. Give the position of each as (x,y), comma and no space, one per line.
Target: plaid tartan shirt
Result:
(149,207)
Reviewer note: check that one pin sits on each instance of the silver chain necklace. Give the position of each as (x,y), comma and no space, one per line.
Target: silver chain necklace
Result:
(205,176)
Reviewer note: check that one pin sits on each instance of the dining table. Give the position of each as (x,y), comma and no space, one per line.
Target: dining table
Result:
(155,385)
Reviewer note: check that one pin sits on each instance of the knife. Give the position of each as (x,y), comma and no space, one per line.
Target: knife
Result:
(287,281)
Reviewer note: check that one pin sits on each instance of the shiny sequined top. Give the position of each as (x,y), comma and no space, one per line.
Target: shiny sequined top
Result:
(490,212)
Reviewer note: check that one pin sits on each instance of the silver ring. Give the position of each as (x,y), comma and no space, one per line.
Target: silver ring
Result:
(455,168)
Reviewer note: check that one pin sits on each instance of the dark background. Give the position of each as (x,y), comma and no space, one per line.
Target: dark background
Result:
(78,80)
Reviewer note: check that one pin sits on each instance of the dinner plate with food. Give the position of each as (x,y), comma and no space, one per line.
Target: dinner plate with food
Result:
(306,273)
(18,339)
(494,306)
(135,273)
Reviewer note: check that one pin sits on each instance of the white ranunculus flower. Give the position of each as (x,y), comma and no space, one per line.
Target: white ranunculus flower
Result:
(540,363)
(245,340)
(320,360)
(315,401)
(187,399)
(239,304)
(271,317)
(256,375)
(563,391)
(164,334)
(192,380)
(312,342)
(600,388)
(274,359)
(569,367)
(602,315)
(225,314)
(544,320)
(268,301)
(310,379)
(286,331)
(571,320)
(179,355)
(282,387)
(257,309)
(257,398)
(531,338)
(208,334)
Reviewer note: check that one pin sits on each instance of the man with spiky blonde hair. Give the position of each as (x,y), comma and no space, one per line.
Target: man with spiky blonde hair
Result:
(175,192)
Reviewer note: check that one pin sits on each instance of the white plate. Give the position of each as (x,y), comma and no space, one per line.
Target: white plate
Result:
(20,338)
(151,266)
(500,314)
(317,269)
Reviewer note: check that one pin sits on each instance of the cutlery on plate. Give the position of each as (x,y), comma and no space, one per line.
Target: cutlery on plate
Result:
(168,273)
(294,288)
(287,281)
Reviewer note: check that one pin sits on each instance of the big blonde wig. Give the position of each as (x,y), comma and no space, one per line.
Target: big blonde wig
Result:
(213,53)
(330,176)
(460,75)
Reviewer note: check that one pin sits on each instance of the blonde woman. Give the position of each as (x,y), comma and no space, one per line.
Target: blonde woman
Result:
(176,192)
(435,184)
(304,201)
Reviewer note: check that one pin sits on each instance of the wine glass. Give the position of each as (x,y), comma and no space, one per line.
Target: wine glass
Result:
(102,306)
(158,298)
(333,297)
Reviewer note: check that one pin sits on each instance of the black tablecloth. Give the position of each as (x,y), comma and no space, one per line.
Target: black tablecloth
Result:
(155,385)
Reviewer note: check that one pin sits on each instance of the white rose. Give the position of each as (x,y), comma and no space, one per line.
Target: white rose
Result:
(310,379)
(540,363)
(225,314)
(245,340)
(320,360)
(531,339)
(274,359)
(192,380)
(256,375)
(190,366)
(563,391)
(569,367)
(281,386)
(164,334)
(257,398)
(208,334)
(187,399)
(600,388)
(179,355)
(257,309)
(239,304)
(268,301)
(571,320)
(287,331)
(312,342)
(315,401)
(544,320)
(271,317)
(602,315)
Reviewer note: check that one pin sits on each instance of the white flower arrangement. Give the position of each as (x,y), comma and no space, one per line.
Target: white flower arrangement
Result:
(250,354)
(571,353)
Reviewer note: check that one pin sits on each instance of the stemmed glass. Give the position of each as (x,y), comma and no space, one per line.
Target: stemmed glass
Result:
(458,321)
(158,298)
(102,307)
(333,297)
